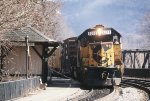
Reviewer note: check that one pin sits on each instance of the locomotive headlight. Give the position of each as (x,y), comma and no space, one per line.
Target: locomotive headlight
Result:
(99,31)
(85,68)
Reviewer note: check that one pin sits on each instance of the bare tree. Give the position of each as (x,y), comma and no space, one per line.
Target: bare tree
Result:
(145,25)
(15,14)
(41,14)
(63,31)
(144,29)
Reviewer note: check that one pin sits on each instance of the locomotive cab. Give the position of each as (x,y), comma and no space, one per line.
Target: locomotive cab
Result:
(99,56)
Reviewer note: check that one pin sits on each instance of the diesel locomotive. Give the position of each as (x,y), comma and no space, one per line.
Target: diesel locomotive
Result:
(94,57)
(98,60)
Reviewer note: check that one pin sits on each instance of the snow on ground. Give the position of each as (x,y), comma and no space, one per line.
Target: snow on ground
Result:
(131,94)
(51,94)
(65,93)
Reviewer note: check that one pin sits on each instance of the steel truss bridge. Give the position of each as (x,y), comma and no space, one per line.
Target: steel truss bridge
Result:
(137,62)
(136,58)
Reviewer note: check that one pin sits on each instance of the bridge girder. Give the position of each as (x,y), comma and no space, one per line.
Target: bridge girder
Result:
(136,58)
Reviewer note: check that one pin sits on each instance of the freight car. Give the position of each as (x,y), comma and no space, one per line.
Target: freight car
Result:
(99,57)
(69,56)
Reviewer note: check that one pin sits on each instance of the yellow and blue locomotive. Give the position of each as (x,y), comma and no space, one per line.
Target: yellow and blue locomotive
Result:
(99,57)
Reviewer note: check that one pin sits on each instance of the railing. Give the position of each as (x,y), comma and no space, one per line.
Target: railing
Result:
(13,89)
(136,59)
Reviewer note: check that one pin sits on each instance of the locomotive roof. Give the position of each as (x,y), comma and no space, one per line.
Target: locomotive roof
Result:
(90,33)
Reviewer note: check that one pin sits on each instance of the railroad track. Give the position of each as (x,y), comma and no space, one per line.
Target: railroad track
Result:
(101,94)
(84,94)
(97,94)
(143,84)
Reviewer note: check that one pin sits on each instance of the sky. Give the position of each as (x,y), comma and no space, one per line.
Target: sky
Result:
(123,15)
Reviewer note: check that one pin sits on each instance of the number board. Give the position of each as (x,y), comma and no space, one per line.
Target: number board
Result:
(99,33)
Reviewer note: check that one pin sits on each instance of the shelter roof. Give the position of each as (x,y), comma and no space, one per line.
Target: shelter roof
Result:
(33,35)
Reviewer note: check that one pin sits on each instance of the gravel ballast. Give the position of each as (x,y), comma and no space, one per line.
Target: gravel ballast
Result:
(130,94)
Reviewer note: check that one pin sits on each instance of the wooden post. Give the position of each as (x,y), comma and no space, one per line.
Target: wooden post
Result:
(44,64)
(27,54)
(46,55)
